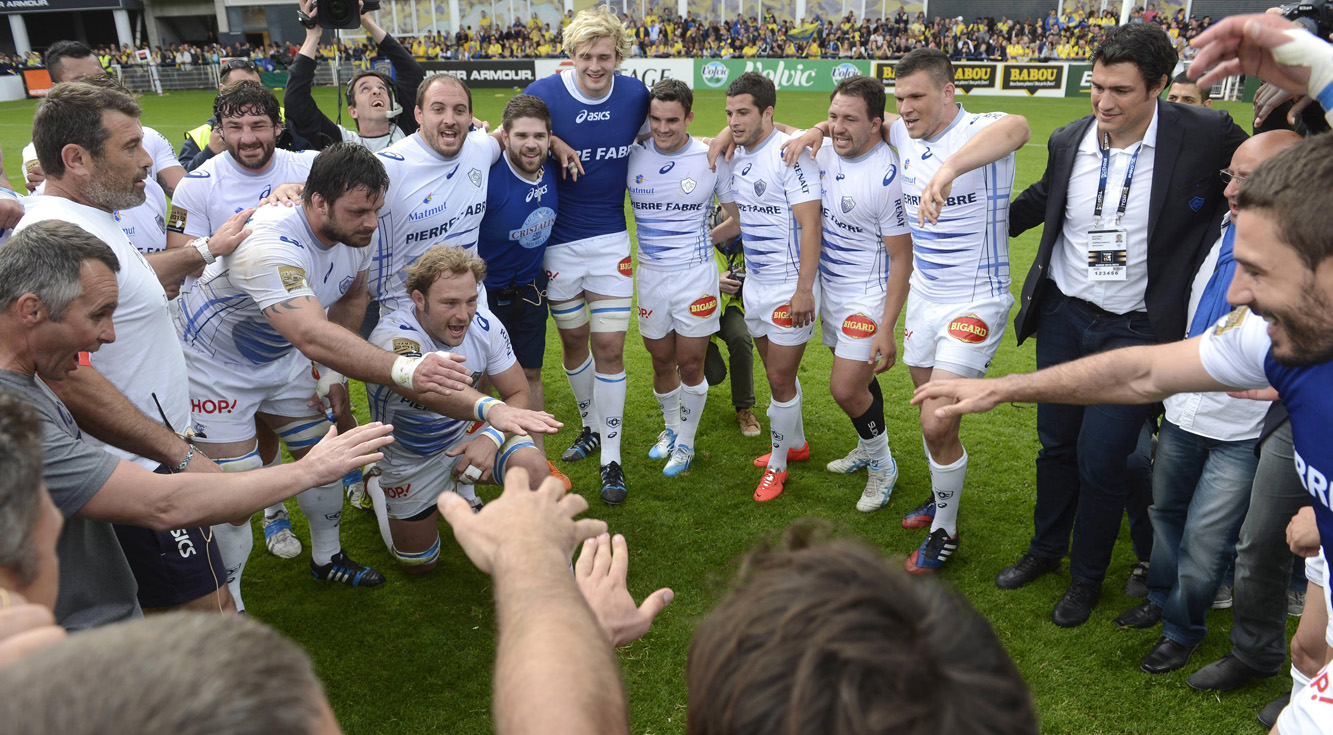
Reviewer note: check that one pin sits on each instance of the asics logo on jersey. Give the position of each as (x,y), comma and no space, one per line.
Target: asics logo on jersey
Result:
(536,193)
(926,155)
(594,116)
(746,170)
(840,177)
(267,190)
(197,175)
(286,239)
(666,168)
(391,156)
(890,175)
(452,171)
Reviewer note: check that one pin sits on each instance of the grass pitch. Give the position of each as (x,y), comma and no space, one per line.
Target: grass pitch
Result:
(416,655)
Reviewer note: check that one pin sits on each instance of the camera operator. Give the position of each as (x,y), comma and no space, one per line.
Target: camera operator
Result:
(372,98)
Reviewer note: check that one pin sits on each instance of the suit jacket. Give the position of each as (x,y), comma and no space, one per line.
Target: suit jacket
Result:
(1193,144)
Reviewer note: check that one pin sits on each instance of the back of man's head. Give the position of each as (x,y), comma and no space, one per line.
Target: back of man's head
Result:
(174,673)
(59,55)
(828,639)
(20,489)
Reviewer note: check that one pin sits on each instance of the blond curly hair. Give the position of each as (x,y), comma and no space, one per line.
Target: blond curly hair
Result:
(592,25)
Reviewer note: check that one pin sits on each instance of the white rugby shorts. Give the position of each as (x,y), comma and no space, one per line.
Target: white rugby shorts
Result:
(225,397)
(961,338)
(599,265)
(850,320)
(767,312)
(685,301)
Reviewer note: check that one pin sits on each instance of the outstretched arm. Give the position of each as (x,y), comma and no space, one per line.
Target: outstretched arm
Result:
(990,144)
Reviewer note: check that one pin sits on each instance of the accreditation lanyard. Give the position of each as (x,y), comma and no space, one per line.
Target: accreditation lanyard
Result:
(1108,247)
(1101,184)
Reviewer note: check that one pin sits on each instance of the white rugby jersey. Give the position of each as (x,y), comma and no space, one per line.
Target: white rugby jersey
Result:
(157,145)
(146,224)
(145,362)
(212,193)
(765,188)
(966,256)
(672,194)
(221,313)
(418,431)
(431,200)
(861,203)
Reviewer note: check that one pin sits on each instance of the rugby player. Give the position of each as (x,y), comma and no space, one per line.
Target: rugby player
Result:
(247,171)
(780,227)
(671,189)
(600,114)
(959,302)
(434,453)
(256,320)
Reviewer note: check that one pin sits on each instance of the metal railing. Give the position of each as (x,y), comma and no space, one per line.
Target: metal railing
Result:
(161,79)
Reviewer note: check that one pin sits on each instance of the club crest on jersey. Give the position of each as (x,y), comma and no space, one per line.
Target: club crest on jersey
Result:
(859,326)
(703,307)
(687,185)
(474,176)
(759,188)
(848,204)
(969,328)
(345,284)
(782,316)
(161,223)
(667,167)
(626,268)
(292,277)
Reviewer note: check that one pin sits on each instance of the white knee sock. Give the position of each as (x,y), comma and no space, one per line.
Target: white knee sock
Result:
(1299,681)
(323,509)
(798,436)
(581,382)
(670,403)
(235,543)
(466,492)
(609,398)
(946,482)
(783,420)
(692,399)
(878,449)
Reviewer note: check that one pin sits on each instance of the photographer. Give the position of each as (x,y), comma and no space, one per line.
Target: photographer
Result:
(372,98)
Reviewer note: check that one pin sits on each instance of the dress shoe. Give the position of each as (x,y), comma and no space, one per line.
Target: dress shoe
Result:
(1143,615)
(1269,714)
(1026,571)
(1225,674)
(1074,608)
(1167,655)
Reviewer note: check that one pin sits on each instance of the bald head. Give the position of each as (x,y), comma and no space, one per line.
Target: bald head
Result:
(1250,155)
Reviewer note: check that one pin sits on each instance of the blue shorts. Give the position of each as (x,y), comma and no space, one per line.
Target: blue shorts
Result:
(522,309)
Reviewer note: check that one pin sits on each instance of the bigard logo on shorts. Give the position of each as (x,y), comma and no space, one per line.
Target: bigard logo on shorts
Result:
(782,316)
(859,326)
(969,328)
(292,277)
(626,268)
(703,307)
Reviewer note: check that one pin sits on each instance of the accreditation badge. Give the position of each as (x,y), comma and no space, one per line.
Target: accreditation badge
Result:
(1108,255)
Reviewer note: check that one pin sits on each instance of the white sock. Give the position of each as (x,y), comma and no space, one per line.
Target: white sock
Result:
(235,543)
(323,509)
(783,420)
(692,399)
(609,398)
(381,510)
(798,436)
(946,482)
(878,449)
(670,403)
(1299,681)
(581,382)
(466,492)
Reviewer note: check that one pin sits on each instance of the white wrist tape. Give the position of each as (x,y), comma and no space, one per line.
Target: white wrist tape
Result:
(403,370)
(490,432)
(326,378)
(1304,49)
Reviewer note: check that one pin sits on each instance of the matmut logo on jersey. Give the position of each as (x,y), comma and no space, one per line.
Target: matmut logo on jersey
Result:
(969,328)
(592,116)
(429,207)
(703,307)
(859,326)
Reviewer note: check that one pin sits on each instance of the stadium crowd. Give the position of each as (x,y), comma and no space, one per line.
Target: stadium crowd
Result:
(162,334)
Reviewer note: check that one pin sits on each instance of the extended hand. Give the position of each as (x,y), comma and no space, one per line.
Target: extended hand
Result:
(601,572)
(971,396)
(522,421)
(440,372)
(335,455)
(1243,44)
(478,453)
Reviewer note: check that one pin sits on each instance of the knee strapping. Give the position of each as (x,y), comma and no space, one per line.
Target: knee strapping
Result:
(420,558)
(244,463)
(570,314)
(303,434)
(610,315)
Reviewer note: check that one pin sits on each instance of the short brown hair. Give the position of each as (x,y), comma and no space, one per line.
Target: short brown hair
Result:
(246,97)
(931,60)
(826,637)
(20,488)
(526,105)
(673,90)
(1286,185)
(442,259)
(442,77)
(869,89)
(71,114)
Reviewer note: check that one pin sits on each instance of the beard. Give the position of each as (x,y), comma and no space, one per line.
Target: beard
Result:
(265,154)
(1308,337)
(335,232)
(106,191)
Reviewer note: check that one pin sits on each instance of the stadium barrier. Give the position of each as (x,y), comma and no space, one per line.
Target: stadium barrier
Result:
(648,71)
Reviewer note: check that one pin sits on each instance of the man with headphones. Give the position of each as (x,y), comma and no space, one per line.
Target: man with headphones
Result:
(372,97)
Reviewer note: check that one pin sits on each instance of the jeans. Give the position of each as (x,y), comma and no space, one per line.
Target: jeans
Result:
(1139,486)
(1082,466)
(1263,559)
(1200,491)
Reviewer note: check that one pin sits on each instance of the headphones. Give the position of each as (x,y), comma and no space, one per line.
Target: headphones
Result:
(394,108)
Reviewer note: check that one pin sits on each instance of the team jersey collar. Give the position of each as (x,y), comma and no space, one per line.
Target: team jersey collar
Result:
(272,163)
(569,77)
(679,151)
(957,118)
(857,159)
(771,135)
(310,231)
(519,174)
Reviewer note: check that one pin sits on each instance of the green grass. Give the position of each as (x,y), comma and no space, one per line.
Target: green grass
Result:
(416,655)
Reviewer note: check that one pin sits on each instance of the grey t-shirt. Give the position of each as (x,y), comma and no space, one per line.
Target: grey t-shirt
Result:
(96,584)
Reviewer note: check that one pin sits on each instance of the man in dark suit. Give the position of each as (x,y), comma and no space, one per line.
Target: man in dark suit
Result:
(1128,201)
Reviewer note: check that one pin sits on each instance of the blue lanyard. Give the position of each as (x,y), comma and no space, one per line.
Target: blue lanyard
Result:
(1124,191)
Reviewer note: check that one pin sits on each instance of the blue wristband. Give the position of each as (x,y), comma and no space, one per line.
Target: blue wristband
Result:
(483,407)
(1325,97)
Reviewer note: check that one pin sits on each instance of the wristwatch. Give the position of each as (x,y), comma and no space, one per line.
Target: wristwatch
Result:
(201,244)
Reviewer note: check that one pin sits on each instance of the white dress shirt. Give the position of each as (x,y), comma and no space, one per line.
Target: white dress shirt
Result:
(1069,261)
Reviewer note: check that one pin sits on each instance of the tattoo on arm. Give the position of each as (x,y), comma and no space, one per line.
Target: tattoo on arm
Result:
(282,307)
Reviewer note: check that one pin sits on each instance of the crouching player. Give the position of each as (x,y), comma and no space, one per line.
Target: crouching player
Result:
(438,446)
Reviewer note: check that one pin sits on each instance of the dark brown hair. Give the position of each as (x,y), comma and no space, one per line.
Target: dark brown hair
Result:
(1287,186)
(71,114)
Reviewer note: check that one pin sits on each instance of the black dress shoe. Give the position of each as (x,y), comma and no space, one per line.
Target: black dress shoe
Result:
(1269,714)
(1026,571)
(1167,655)
(1225,674)
(1143,615)
(1074,608)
